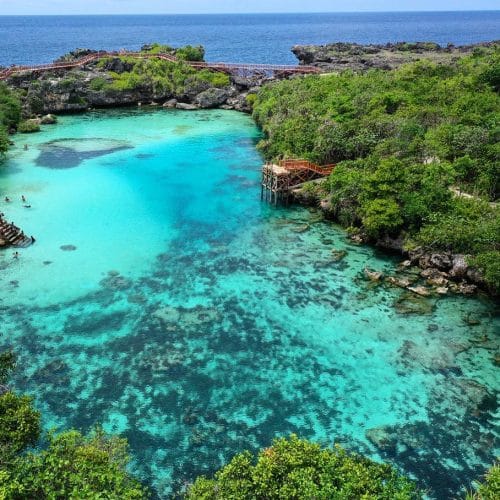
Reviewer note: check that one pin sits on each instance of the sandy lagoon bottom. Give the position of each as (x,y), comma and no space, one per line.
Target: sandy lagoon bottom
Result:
(165,301)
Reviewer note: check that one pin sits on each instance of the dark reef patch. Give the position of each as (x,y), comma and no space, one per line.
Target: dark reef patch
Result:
(69,153)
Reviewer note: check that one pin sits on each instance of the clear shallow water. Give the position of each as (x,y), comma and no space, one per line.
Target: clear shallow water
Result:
(260,38)
(199,322)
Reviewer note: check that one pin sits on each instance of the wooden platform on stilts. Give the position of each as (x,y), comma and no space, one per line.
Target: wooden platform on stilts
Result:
(278,179)
(11,235)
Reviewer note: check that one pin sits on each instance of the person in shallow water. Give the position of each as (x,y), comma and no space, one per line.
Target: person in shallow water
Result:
(7,199)
(23,198)
(15,255)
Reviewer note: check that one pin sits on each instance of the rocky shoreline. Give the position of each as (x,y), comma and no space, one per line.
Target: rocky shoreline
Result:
(74,90)
(337,57)
(421,272)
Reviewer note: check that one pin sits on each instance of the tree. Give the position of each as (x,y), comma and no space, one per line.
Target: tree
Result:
(19,421)
(76,466)
(489,489)
(72,465)
(381,216)
(296,469)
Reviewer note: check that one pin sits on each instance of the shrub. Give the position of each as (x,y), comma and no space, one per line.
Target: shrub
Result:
(297,469)
(98,83)
(381,216)
(489,489)
(4,141)
(19,423)
(72,466)
(28,126)
(489,264)
(10,107)
(190,53)
(77,466)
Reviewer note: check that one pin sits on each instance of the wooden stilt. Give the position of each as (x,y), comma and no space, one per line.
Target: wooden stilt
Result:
(278,179)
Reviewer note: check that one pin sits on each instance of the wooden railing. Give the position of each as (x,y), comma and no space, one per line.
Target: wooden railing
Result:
(218,66)
(298,164)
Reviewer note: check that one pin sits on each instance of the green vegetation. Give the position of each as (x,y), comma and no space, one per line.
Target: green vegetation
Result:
(402,140)
(490,488)
(98,83)
(71,466)
(297,469)
(29,126)
(10,114)
(187,53)
(164,77)
(190,53)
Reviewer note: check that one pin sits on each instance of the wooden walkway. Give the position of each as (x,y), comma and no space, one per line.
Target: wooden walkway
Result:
(279,179)
(233,68)
(12,235)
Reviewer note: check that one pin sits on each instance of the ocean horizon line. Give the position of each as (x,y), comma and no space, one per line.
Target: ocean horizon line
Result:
(213,14)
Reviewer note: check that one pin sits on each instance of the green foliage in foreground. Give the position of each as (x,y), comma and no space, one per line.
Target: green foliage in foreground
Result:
(401,140)
(94,466)
(10,114)
(490,488)
(74,466)
(297,469)
(71,466)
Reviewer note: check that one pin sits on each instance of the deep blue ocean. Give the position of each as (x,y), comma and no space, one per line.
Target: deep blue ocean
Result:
(262,38)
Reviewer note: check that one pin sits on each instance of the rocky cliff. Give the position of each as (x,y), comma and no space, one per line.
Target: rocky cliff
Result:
(337,57)
(97,85)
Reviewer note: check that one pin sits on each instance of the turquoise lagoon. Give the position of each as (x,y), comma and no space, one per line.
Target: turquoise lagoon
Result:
(165,301)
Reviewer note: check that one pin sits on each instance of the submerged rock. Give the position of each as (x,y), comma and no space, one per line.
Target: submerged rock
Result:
(167,314)
(301,229)
(373,275)
(338,255)
(420,290)
(381,437)
(48,119)
(411,303)
(399,282)
(185,106)
(115,282)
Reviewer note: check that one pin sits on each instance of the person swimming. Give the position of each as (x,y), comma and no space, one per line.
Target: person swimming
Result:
(23,198)
(7,199)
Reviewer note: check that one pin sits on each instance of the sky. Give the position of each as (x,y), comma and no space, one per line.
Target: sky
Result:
(15,7)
